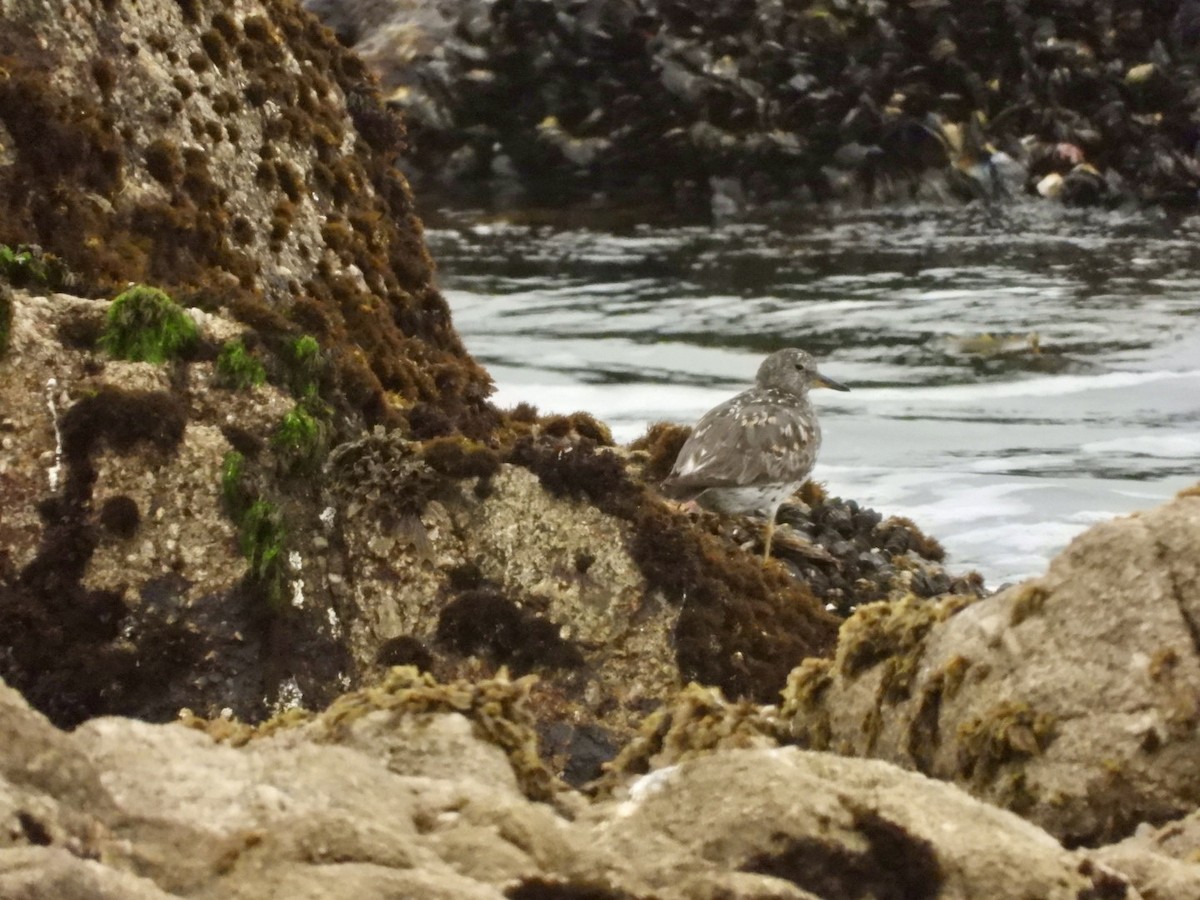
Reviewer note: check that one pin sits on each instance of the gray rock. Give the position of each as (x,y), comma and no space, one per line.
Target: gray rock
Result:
(1071,699)
(53,873)
(834,826)
(1163,863)
(391,794)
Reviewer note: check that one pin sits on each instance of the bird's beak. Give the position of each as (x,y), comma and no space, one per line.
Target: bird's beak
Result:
(822,381)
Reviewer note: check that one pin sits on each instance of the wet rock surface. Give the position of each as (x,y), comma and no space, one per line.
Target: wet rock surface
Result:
(723,105)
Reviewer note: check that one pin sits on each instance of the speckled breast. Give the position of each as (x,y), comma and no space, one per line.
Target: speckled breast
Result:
(755,498)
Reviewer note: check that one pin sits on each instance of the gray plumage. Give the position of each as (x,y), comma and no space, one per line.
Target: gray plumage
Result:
(754,451)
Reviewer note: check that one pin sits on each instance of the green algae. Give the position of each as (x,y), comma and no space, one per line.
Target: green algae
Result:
(234,494)
(238,368)
(304,361)
(301,440)
(261,537)
(30,267)
(146,325)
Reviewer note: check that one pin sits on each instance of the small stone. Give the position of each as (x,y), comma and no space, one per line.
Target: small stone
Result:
(381,545)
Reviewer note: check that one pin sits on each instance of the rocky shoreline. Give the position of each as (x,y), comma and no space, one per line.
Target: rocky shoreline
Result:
(732,106)
(288,607)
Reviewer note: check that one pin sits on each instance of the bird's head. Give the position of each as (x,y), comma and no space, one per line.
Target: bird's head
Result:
(793,371)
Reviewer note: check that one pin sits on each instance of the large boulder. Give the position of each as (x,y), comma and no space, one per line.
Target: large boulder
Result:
(237,156)
(167,545)
(1071,699)
(1163,862)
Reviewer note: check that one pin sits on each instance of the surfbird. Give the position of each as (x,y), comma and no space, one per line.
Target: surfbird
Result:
(754,451)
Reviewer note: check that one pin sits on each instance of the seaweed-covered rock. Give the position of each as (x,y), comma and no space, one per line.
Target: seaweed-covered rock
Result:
(237,157)
(122,587)
(839,827)
(1071,699)
(162,550)
(562,565)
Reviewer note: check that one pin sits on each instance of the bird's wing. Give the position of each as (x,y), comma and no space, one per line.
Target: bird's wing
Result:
(743,442)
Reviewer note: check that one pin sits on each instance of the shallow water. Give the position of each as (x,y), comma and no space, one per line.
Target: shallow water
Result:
(1017,374)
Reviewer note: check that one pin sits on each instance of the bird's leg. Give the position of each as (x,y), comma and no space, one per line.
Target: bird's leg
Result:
(770,533)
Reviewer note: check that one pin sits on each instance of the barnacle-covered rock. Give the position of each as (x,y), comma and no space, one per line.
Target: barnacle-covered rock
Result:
(722,107)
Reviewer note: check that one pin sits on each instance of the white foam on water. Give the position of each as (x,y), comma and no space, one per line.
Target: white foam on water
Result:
(1167,446)
(1009,551)
(1027,462)
(979,394)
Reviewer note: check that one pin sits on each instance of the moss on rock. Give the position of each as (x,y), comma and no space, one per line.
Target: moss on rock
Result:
(888,632)
(459,457)
(804,703)
(261,539)
(578,425)
(145,325)
(33,268)
(742,626)
(301,440)
(238,367)
(1027,601)
(161,132)
(661,445)
(305,363)
(693,723)
(498,708)
(234,493)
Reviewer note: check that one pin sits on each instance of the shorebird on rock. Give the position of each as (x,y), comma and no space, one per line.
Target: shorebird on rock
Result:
(754,451)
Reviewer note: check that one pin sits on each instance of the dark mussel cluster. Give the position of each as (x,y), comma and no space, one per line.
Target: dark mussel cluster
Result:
(848,555)
(735,103)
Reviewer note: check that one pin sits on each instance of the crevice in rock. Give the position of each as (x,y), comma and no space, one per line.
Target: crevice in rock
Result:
(554,889)
(35,832)
(924,728)
(897,865)
(1164,557)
